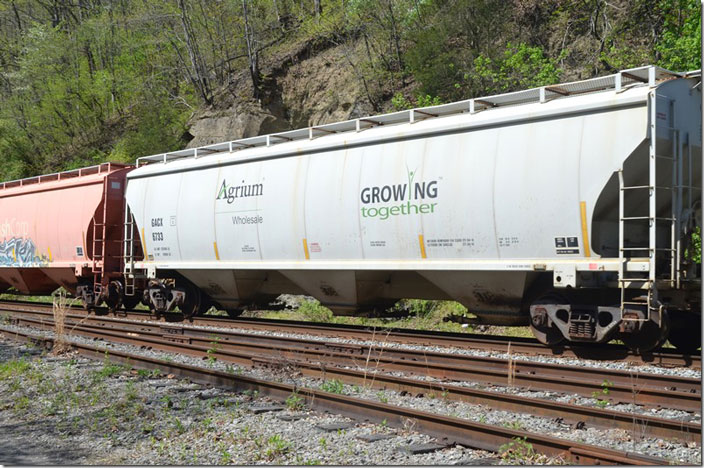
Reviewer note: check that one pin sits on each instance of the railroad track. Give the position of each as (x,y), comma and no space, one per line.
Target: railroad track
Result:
(364,364)
(663,357)
(448,430)
(241,348)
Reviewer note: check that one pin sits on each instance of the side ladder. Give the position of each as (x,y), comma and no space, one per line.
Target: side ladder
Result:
(656,250)
(128,252)
(99,244)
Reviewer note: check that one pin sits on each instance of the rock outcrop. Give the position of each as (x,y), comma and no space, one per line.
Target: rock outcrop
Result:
(306,86)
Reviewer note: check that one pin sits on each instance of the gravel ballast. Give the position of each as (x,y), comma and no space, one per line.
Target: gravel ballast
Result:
(161,444)
(382,343)
(71,410)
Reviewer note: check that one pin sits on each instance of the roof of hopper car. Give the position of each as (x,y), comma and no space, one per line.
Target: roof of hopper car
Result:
(626,88)
(59,180)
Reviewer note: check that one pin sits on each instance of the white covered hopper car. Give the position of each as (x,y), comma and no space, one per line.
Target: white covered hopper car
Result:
(569,207)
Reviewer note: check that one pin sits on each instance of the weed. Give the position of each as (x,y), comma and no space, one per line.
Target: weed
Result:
(61,307)
(384,423)
(517,451)
(70,363)
(225,457)
(148,429)
(323,442)
(108,370)
(602,402)
(332,386)
(168,404)
(295,402)
(208,424)
(511,371)
(21,403)
(517,425)
(130,391)
(276,445)
(14,368)
(212,351)
(384,399)
(178,425)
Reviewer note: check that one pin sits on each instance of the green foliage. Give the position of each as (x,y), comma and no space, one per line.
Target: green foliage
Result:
(680,45)
(109,369)
(86,82)
(600,395)
(382,397)
(518,451)
(276,446)
(332,386)
(314,311)
(14,368)
(694,249)
(212,350)
(400,102)
(420,307)
(519,67)
(295,402)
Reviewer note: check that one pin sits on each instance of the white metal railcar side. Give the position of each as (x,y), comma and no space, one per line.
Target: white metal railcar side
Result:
(496,202)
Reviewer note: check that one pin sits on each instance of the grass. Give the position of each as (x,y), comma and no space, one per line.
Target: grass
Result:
(423,315)
(20,297)
(14,368)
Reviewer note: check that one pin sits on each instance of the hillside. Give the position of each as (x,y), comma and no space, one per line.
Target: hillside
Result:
(84,81)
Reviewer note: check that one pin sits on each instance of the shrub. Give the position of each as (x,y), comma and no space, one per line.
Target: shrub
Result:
(314,311)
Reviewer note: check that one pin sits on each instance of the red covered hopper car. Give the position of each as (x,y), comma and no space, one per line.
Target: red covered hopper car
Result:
(65,229)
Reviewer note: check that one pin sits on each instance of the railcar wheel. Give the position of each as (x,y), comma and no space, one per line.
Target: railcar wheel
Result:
(234,313)
(113,298)
(540,325)
(686,334)
(192,303)
(650,336)
(130,302)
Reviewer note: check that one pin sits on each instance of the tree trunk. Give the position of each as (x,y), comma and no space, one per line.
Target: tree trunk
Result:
(199,78)
(317,8)
(252,53)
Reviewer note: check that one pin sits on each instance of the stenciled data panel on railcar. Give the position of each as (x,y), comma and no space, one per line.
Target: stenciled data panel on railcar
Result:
(160,227)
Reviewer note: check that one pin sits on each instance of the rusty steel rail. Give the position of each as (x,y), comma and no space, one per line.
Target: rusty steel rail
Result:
(663,357)
(446,429)
(245,350)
